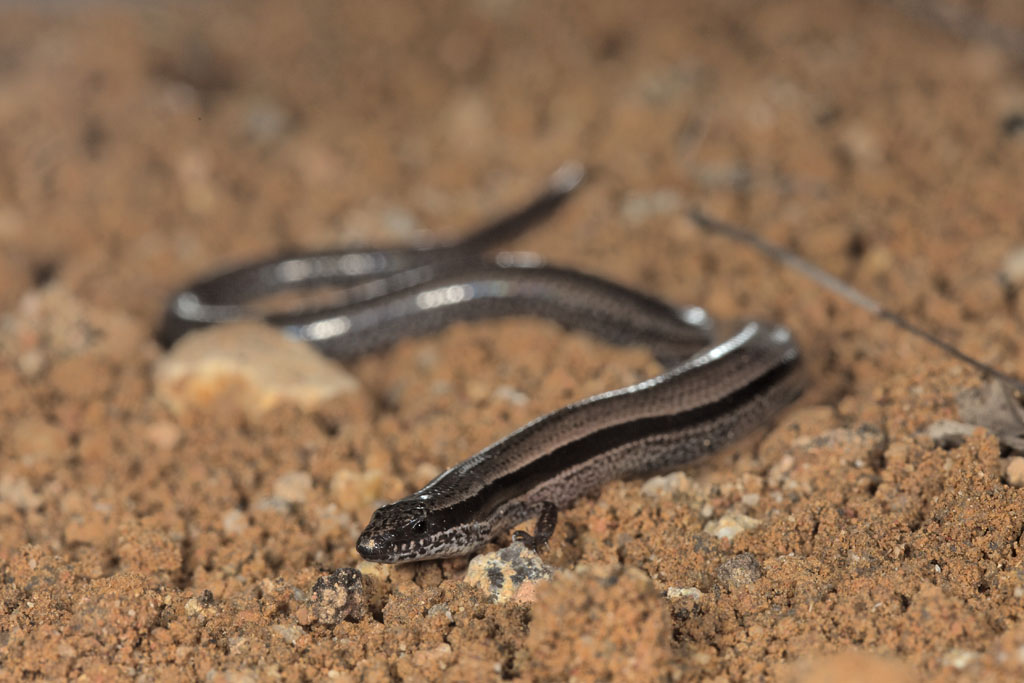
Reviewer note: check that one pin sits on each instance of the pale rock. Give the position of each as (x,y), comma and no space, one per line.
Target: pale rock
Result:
(249,365)
(293,487)
(18,492)
(1013,267)
(690,593)
(730,526)
(234,522)
(666,485)
(338,596)
(163,434)
(959,658)
(510,574)
(1015,471)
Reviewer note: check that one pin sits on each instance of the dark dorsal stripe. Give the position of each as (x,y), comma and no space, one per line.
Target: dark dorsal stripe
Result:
(549,465)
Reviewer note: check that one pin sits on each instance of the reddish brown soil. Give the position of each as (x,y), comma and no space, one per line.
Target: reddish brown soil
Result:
(142,145)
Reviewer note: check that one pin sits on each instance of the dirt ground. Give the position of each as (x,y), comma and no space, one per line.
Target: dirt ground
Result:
(145,144)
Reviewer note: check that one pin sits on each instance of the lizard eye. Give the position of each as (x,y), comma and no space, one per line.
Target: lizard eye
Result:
(419,526)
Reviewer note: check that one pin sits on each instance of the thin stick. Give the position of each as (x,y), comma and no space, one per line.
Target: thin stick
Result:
(846,291)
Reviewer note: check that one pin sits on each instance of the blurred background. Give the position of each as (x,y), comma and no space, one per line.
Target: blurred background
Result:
(148,142)
(144,144)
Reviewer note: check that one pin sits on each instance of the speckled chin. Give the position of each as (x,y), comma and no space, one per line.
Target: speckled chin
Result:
(380,544)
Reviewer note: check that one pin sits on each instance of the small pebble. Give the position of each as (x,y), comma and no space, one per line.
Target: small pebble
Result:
(18,492)
(858,445)
(201,607)
(510,574)
(289,633)
(730,526)
(511,395)
(31,362)
(272,504)
(337,597)
(163,434)
(959,659)
(293,487)
(1015,471)
(861,142)
(667,485)
(638,208)
(234,522)
(1013,267)
(740,570)
(443,611)
(777,473)
(675,593)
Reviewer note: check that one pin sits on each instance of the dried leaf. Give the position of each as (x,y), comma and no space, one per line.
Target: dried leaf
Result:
(995,407)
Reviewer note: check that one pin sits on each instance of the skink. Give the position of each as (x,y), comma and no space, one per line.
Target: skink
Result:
(710,394)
